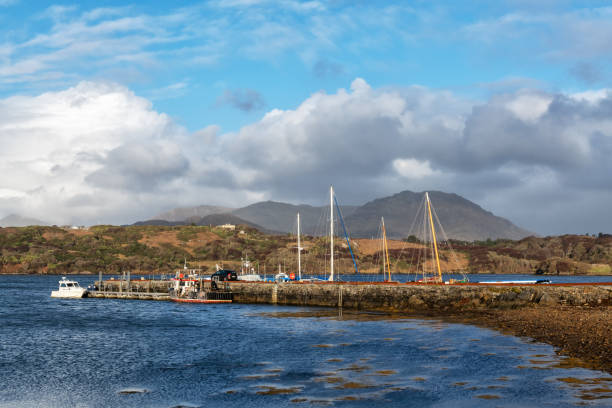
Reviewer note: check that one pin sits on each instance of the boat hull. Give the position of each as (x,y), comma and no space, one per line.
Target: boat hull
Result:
(73,294)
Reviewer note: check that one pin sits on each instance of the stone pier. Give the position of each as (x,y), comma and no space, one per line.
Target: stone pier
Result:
(396,297)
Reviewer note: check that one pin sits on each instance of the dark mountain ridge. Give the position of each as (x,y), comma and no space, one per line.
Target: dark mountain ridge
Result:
(282,217)
(460,218)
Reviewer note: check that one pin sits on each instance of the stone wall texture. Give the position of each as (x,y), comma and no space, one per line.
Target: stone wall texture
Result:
(401,297)
(407,298)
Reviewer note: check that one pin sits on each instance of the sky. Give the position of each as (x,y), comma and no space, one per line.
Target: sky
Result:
(114,111)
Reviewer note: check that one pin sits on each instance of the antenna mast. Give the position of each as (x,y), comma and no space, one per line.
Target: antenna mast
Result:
(331,232)
(299,248)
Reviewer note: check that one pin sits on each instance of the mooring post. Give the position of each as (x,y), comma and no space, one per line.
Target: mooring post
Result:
(340,296)
(100,279)
(275,293)
(128,281)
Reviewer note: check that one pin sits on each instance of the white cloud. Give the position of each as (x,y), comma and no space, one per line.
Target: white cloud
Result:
(591,96)
(413,168)
(52,142)
(529,106)
(98,153)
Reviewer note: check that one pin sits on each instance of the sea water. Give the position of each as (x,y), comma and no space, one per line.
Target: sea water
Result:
(129,353)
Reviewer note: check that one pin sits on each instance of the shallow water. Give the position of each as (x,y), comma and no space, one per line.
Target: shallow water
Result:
(120,353)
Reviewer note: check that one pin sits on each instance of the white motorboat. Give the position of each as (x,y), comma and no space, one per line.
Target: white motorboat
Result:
(69,289)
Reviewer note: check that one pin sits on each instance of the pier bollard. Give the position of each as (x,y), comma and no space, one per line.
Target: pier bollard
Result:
(275,293)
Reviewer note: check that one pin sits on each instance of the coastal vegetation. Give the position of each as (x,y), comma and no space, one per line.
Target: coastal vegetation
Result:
(162,249)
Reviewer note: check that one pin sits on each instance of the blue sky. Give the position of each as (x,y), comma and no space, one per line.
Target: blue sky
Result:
(184,56)
(216,82)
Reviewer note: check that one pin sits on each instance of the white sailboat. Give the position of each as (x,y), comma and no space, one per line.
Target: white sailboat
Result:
(299,248)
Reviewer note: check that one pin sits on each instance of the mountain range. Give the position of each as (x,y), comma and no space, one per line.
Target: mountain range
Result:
(14,220)
(461,219)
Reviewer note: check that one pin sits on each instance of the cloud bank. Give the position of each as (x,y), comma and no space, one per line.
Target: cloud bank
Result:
(98,153)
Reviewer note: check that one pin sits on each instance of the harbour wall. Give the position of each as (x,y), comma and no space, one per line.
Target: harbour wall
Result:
(407,298)
(399,297)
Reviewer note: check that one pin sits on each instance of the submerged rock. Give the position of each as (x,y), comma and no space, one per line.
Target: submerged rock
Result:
(128,391)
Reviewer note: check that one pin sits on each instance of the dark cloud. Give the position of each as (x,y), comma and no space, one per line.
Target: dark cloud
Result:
(522,143)
(246,100)
(139,167)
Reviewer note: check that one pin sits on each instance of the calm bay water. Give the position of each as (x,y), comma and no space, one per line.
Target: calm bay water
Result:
(484,277)
(83,353)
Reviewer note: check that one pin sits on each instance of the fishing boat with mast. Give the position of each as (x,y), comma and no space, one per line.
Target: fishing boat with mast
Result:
(190,286)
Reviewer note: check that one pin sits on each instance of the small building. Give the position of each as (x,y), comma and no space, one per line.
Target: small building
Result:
(230,227)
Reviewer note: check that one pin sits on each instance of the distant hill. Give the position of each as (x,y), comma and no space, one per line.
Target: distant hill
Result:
(461,218)
(14,220)
(282,217)
(157,222)
(181,214)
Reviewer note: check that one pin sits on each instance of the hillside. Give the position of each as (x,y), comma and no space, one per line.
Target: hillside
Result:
(162,249)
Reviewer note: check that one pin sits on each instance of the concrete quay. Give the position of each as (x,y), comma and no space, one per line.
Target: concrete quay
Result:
(387,297)
(421,298)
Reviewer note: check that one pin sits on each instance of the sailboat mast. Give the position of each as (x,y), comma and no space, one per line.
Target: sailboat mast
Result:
(299,248)
(331,232)
(386,249)
(433,234)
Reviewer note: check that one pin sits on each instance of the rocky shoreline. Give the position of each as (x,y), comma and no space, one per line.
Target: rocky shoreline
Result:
(581,332)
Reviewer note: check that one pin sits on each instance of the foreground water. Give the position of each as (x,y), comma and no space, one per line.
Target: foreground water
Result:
(118,353)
